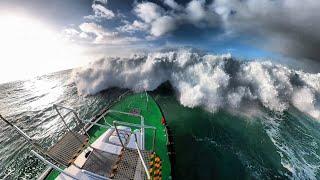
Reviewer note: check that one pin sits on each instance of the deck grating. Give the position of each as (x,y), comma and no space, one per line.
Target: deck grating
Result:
(128,164)
(68,147)
(100,162)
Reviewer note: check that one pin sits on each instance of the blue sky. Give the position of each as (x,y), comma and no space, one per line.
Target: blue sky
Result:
(67,17)
(267,29)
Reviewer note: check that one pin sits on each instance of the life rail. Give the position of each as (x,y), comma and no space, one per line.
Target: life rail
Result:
(87,125)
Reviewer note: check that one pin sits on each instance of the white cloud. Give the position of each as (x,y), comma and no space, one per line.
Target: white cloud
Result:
(148,11)
(195,10)
(100,11)
(70,33)
(162,22)
(200,15)
(172,4)
(95,29)
(135,26)
(101,1)
(101,35)
(83,35)
(163,25)
(289,26)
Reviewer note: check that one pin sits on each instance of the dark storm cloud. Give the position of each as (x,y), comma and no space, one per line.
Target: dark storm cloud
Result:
(288,26)
(168,16)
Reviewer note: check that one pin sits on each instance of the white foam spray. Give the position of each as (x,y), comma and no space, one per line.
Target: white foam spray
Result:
(207,80)
(214,82)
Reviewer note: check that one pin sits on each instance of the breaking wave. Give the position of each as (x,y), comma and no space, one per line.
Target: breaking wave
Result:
(206,80)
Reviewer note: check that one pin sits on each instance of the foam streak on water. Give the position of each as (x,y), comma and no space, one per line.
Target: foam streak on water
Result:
(296,145)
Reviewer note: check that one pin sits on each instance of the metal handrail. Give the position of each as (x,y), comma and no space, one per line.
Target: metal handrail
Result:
(78,120)
(64,122)
(136,115)
(142,126)
(64,172)
(138,149)
(44,152)
(51,164)
(29,139)
(75,113)
(141,158)
(134,125)
(139,126)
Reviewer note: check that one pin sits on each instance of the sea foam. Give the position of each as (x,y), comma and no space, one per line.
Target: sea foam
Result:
(206,80)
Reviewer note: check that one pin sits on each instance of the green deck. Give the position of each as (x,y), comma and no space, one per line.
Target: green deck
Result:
(153,116)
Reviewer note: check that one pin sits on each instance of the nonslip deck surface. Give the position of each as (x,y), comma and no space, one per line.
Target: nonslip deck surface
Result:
(100,162)
(68,147)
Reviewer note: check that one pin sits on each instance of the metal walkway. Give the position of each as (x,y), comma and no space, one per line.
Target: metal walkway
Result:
(129,166)
(100,162)
(68,147)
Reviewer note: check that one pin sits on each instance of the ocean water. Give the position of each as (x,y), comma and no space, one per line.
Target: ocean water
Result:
(27,104)
(230,120)
(235,145)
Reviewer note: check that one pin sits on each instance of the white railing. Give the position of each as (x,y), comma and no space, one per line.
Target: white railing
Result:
(52,165)
(92,122)
(142,160)
(136,143)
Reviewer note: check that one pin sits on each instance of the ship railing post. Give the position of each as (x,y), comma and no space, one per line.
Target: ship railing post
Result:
(62,118)
(141,158)
(142,133)
(52,165)
(141,122)
(65,123)
(79,124)
(30,140)
(139,126)
(154,139)
(147,109)
(22,133)
(115,126)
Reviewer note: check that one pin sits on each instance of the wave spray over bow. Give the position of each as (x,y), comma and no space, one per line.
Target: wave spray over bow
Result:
(206,80)
(256,88)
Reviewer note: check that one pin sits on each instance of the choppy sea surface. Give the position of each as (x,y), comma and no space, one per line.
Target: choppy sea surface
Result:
(249,140)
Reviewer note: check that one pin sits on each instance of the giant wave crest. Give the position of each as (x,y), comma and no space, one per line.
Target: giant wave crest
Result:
(206,80)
